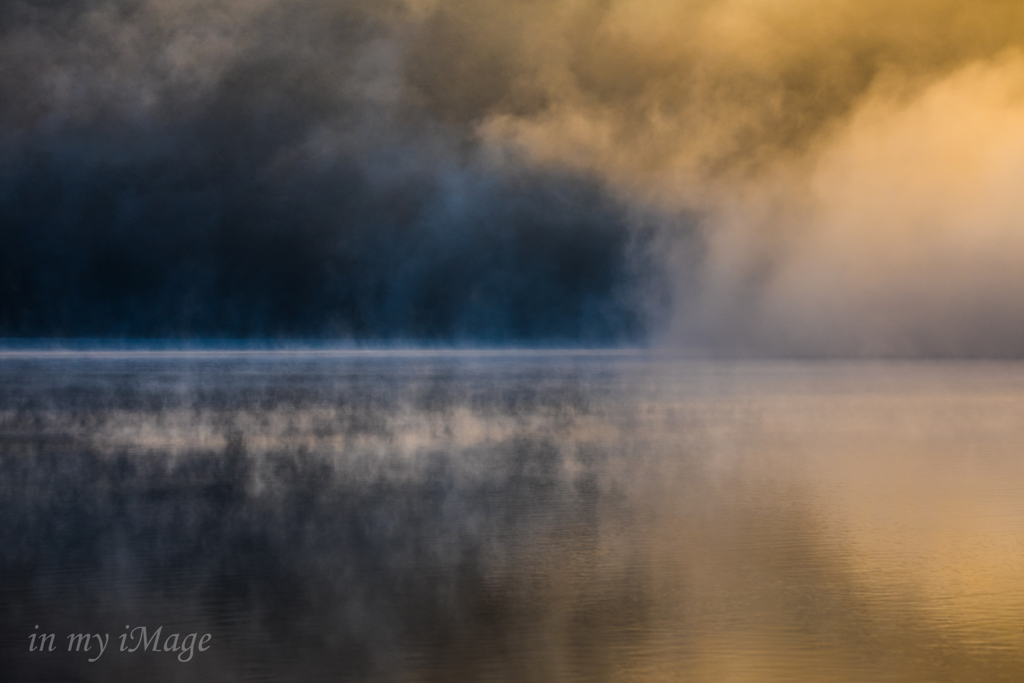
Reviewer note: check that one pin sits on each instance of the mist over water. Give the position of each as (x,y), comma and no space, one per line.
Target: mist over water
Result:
(513,516)
(710,179)
(735,177)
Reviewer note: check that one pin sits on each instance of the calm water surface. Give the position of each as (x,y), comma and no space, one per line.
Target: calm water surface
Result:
(512,517)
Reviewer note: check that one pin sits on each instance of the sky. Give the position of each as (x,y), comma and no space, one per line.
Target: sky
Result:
(738,177)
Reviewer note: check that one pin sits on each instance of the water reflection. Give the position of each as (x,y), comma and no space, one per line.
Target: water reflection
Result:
(531,517)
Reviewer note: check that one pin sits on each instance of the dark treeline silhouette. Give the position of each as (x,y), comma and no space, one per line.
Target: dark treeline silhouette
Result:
(163,246)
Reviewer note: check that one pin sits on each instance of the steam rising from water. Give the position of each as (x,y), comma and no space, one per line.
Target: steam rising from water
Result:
(508,517)
(740,176)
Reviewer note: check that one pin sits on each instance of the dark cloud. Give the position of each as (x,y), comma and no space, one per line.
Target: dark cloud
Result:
(281,170)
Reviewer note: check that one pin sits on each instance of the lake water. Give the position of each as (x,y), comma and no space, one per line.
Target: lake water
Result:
(502,516)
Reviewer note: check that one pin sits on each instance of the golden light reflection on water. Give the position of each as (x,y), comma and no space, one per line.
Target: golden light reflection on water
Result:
(817,523)
(628,518)
(907,538)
